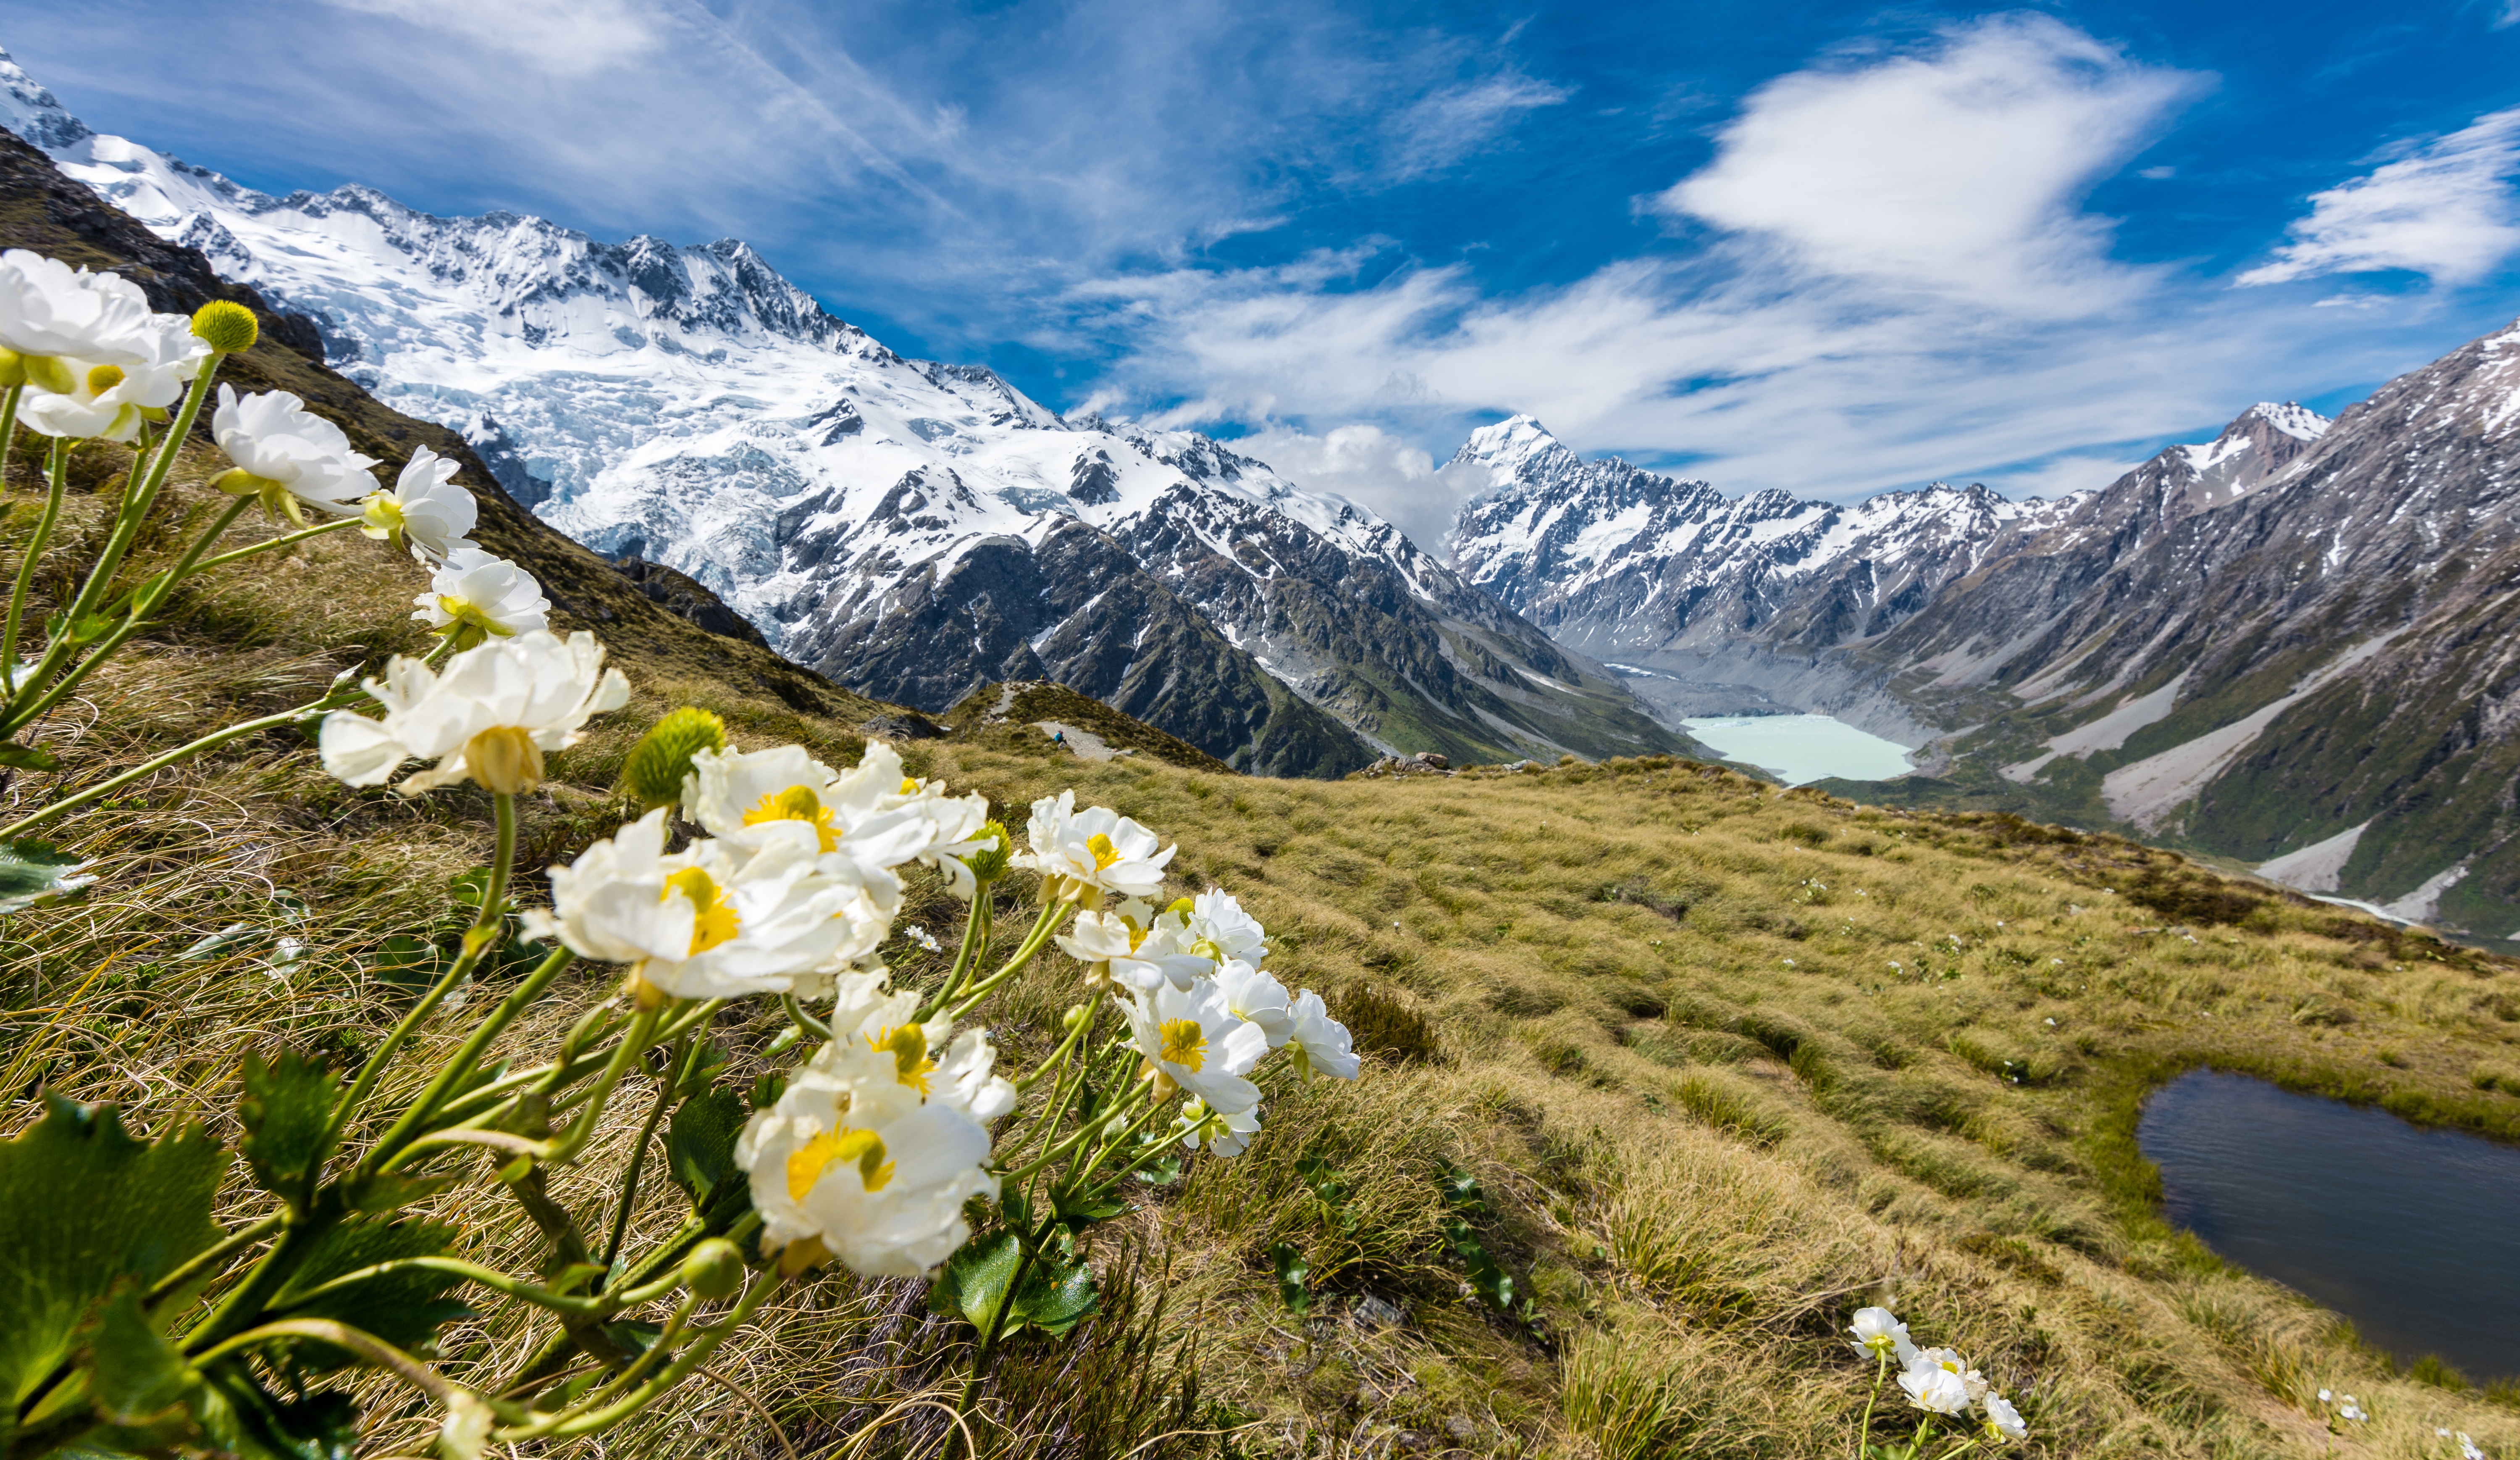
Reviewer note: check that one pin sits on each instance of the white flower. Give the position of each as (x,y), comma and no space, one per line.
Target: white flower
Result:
(1258,998)
(863,1168)
(2467,1450)
(424,510)
(286,455)
(1879,1333)
(923,938)
(1322,1044)
(1936,1391)
(1222,1134)
(1191,1037)
(708,922)
(105,402)
(475,596)
(1119,946)
(1214,918)
(873,814)
(1093,852)
(874,1038)
(49,309)
(491,717)
(2002,1421)
(2325,1396)
(2348,1408)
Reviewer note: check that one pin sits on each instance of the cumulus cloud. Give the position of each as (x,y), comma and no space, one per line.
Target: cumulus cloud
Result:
(1955,168)
(2446,212)
(1387,474)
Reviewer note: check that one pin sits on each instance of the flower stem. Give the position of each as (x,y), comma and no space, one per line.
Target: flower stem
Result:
(476,942)
(666,1084)
(57,482)
(137,500)
(461,1063)
(1051,917)
(1864,1429)
(332,699)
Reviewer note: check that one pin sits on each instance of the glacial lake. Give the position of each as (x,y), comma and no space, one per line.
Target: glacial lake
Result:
(1799,747)
(2408,1232)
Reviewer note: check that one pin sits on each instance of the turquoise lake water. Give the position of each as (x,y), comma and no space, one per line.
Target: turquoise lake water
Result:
(1800,748)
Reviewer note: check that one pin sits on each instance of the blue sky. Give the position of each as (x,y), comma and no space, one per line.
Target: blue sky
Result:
(1823,247)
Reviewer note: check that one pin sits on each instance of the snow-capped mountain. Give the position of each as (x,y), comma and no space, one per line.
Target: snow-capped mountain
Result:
(689,406)
(2298,644)
(1711,602)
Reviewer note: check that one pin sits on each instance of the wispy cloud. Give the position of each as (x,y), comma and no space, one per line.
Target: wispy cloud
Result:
(1445,126)
(2448,212)
(566,37)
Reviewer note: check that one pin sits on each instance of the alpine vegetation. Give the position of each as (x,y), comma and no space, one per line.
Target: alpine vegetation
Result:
(1940,1386)
(144,1314)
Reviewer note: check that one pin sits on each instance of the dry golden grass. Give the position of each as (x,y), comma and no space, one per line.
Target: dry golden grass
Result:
(1728,1063)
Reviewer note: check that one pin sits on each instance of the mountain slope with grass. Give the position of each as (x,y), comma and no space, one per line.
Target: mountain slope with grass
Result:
(2306,671)
(1667,1072)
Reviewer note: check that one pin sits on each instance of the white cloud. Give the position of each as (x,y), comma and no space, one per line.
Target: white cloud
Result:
(1445,126)
(1366,465)
(565,36)
(2448,212)
(1955,168)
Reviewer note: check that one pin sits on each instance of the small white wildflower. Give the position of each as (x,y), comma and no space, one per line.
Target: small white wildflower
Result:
(925,940)
(1879,1333)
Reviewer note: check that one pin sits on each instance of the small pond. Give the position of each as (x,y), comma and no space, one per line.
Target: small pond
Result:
(1797,748)
(2414,1234)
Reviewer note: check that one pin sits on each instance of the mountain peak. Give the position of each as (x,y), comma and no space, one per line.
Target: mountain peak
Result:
(2292,418)
(33,112)
(1508,443)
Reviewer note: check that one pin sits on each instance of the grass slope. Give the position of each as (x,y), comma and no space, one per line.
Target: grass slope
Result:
(1651,1006)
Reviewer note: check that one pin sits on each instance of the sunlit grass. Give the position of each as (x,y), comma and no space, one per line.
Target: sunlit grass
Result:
(1726,1063)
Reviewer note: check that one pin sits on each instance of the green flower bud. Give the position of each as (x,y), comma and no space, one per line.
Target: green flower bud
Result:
(989,863)
(658,764)
(1075,1017)
(48,373)
(714,1269)
(227,325)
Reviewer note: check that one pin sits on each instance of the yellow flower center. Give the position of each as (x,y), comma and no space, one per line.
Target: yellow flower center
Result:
(383,517)
(713,920)
(466,613)
(103,377)
(864,1148)
(1183,905)
(1184,1043)
(909,787)
(1105,854)
(797,804)
(909,1047)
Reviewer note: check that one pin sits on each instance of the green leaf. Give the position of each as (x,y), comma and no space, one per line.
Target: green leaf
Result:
(82,1208)
(1082,1209)
(287,1108)
(33,873)
(405,1307)
(87,630)
(406,964)
(700,1146)
(228,940)
(134,1374)
(26,757)
(1292,1270)
(238,1415)
(1057,1296)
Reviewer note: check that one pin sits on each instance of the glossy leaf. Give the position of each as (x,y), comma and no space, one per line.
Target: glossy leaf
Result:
(1056,1295)
(1292,1272)
(33,873)
(404,1307)
(700,1146)
(135,1375)
(83,1207)
(287,1107)
(26,757)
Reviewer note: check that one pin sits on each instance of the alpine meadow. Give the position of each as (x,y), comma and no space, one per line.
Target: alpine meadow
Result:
(1186,976)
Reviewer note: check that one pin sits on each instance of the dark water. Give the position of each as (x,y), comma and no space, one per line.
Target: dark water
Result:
(2414,1234)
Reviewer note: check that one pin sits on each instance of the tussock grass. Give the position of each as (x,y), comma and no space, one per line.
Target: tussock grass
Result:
(1726,1063)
